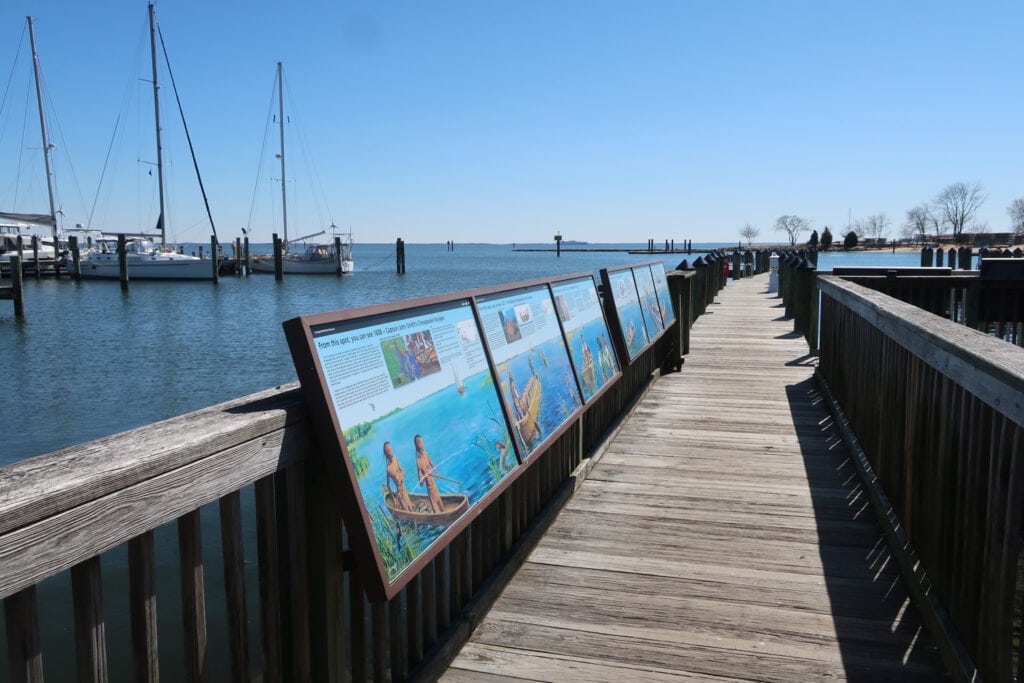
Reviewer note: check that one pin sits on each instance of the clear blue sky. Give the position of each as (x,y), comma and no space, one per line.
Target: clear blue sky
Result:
(498,122)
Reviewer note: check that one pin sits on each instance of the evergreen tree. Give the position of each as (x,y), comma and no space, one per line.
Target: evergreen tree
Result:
(813,242)
(826,239)
(850,241)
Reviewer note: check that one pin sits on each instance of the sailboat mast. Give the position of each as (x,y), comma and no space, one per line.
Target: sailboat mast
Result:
(42,128)
(280,104)
(156,113)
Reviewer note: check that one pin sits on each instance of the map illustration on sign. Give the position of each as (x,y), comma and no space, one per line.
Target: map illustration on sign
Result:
(535,375)
(423,425)
(579,309)
(627,306)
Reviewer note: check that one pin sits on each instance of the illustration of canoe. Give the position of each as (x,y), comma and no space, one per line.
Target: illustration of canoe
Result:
(455,504)
(529,407)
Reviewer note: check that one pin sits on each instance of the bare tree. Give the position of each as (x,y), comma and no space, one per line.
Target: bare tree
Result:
(957,205)
(749,232)
(919,219)
(875,226)
(1016,211)
(793,226)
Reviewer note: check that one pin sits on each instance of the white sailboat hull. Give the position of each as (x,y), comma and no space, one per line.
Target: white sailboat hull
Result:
(148,267)
(291,266)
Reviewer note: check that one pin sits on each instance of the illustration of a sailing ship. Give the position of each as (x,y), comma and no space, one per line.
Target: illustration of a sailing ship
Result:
(529,406)
(588,372)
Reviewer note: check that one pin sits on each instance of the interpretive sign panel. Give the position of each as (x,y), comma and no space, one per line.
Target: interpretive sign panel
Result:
(626,311)
(648,300)
(531,362)
(586,331)
(668,314)
(418,420)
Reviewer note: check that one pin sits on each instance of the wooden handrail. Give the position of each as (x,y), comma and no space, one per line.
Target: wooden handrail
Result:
(937,410)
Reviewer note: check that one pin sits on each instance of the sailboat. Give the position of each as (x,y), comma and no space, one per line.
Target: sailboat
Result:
(314,258)
(147,259)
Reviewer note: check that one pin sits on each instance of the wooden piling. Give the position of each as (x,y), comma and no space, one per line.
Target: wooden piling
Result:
(122,260)
(214,258)
(400,256)
(278,264)
(245,256)
(76,258)
(337,255)
(35,255)
(15,291)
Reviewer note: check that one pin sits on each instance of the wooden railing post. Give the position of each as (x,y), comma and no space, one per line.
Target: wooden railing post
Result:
(24,656)
(90,630)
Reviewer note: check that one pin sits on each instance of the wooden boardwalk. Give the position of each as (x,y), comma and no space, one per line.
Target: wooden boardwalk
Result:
(723,535)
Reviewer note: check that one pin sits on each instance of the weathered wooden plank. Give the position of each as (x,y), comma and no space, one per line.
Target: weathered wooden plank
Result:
(193,595)
(44,486)
(90,628)
(24,656)
(298,590)
(142,596)
(234,584)
(33,552)
(269,580)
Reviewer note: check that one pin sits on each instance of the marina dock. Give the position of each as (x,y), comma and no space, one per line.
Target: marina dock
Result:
(723,533)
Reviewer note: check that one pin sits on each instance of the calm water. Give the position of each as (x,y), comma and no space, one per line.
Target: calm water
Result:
(88,360)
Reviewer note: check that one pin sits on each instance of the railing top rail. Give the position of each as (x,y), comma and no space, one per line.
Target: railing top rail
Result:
(47,485)
(899,272)
(989,368)
(60,509)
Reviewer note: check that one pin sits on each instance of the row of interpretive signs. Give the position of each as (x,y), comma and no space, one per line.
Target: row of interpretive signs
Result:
(427,409)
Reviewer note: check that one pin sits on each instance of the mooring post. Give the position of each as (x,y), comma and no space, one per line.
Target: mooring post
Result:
(238,256)
(76,258)
(951,258)
(245,256)
(278,263)
(17,291)
(122,260)
(215,258)
(400,256)
(927,254)
(337,255)
(35,255)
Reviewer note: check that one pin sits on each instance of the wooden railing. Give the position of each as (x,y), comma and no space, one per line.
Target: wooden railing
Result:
(271,596)
(797,278)
(936,410)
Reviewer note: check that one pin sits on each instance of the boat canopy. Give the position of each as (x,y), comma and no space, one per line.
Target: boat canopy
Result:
(33,218)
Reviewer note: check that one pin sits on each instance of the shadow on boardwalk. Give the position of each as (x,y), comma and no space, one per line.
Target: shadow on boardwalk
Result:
(723,535)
